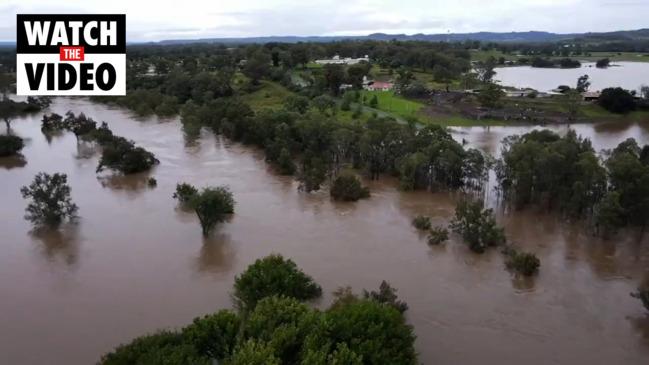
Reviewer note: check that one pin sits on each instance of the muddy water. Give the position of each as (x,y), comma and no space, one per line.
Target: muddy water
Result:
(134,263)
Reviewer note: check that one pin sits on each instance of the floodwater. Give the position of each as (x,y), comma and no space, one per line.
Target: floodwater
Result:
(628,75)
(135,263)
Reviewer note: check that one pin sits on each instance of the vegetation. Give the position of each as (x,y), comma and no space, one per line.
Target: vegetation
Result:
(10,145)
(617,100)
(185,193)
(477,226)
(273,275)
(50,200)
(280,329)
(348,187)
(422,223)
(437,235)
(523,263)
(212,206)
(643,295)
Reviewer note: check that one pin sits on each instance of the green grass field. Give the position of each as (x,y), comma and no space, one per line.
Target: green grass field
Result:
(479,55)
(391,103)
(269,95)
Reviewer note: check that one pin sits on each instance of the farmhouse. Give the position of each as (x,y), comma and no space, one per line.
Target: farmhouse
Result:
(379,86)
(336,60)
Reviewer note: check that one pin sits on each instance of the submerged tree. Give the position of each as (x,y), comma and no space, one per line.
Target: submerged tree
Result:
(51,202)
(212,205)
(273,275)
(348,187)
(10,145)
(387,295)
(477,226)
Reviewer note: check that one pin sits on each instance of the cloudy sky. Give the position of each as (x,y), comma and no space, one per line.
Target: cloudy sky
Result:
(183,19)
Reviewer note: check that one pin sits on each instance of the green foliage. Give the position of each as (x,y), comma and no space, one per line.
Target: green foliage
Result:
(524,263)
(374,331)
(10,145)
(152,182)
(477,226)
(273,275)
(50,200)
(609,214)
(212,205)
(163,348)
(347,187)
(257,66)
(323,103)
(562,173)
(437,235)
(386,295)
(374,101)
(214,335)
(603,63)
(285,163)
(617,100)
(283,323)
(421,222)
(491,96)
(254,352)
(122,155)
(297,103)
(185,193)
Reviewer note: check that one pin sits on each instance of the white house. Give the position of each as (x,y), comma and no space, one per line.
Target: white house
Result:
(336,60)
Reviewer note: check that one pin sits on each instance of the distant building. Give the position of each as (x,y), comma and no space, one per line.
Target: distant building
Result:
(591,95)
(379,86)
(336,60)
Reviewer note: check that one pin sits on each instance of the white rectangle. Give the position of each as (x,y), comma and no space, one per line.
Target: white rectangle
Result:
(118,61)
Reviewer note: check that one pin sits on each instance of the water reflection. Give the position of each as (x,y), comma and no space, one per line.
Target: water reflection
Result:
(132,184)
(216,254)
(13,162)
(58,245)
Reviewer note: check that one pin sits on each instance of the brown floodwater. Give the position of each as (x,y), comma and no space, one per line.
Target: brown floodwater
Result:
(134,263)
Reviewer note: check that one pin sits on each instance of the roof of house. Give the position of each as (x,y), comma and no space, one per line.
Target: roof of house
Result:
(381,84)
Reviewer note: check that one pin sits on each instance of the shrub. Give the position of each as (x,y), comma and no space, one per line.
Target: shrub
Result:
(254,352)
(273,275)
(521,262)
(10,145)
(437,235)
(422,222)
(152,182)
(617,100)
(348,187)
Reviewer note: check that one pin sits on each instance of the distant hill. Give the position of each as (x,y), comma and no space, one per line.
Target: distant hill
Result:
(531,36)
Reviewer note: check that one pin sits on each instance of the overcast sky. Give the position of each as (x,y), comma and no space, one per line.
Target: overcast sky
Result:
(186,19)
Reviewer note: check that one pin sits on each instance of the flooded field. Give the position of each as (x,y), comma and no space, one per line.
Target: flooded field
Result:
(628,75)
(135,263)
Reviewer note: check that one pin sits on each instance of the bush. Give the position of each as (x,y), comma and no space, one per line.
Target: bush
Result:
(254,352)
(185,193)
(521,262)
(347,187)
(603,63)
(617,100)
(10,145)
(422,223)
(437,235)
(152,182)
(273,275)
(122,155)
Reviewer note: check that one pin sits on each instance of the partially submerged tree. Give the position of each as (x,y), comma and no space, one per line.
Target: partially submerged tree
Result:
(523,263)
(421,222)
(386,295)
(10,145)
(273,275)
(437,235)
(212,206)
(50,201)
(347,187)
(477,226)
(185,193)
(643,295)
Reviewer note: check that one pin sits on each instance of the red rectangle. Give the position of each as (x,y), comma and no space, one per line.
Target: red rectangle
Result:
(71,53)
